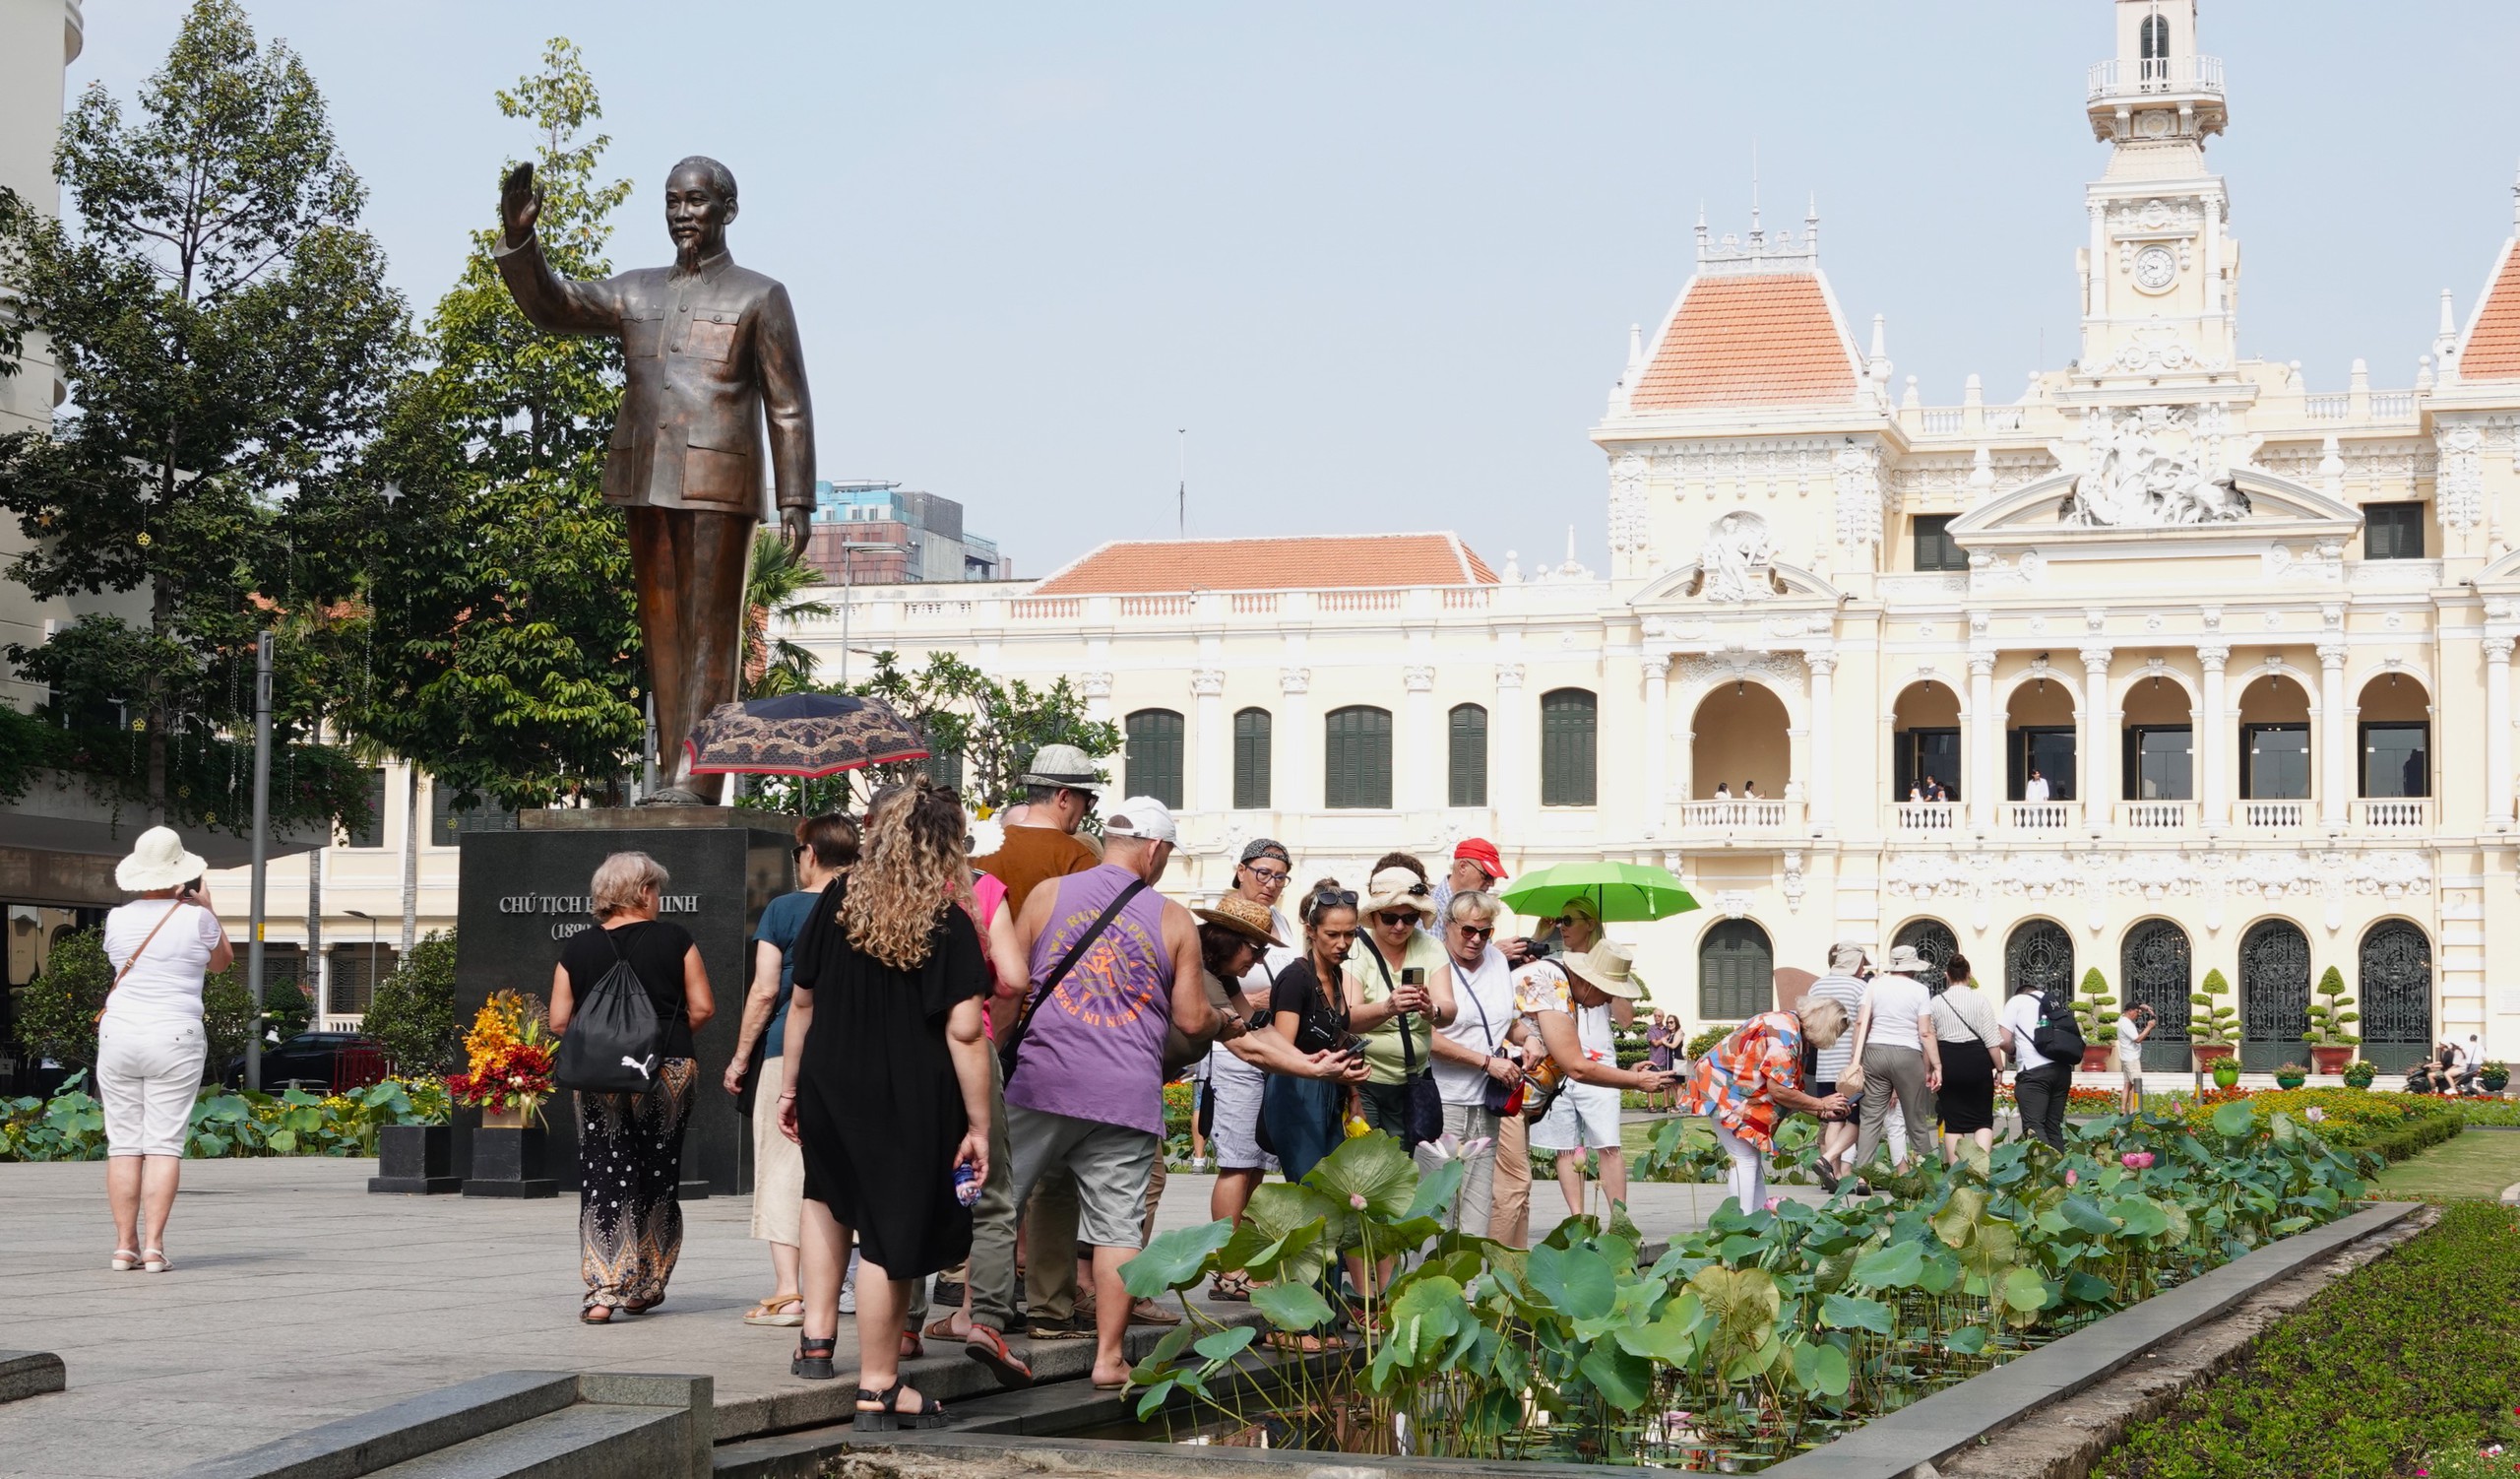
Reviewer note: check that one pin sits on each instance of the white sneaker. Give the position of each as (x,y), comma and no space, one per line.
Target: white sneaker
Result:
(849,1298)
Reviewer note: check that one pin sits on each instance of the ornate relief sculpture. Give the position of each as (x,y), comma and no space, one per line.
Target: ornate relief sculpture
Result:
(1735,562)
(2135,477)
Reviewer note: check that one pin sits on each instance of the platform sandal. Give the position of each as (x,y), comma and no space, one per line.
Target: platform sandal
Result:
(887,1415)
(813,1358)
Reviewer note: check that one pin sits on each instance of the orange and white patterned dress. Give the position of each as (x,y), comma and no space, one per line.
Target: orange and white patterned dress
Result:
(1734,1081)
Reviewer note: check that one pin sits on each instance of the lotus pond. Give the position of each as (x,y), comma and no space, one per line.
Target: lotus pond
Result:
(1770,1331)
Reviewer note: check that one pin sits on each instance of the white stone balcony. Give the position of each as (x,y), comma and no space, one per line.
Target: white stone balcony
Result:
(2397,814)
(2042,816)
(1927,818)
(2272,816)
(2156,77)
(1754,816)
(2157,817)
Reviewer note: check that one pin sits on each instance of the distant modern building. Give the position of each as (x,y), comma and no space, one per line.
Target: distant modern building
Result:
(919,537)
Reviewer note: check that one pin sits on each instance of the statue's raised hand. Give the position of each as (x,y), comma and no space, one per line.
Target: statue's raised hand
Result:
(520,204)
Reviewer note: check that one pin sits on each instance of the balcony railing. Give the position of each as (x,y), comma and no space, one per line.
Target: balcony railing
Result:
(2156,75)
(2042,816)
(1928,816)
(2157,817)
(2273,816)
(2398,814)
(1734,815)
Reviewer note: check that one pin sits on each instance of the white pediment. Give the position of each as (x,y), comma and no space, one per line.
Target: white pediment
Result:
(2055,515)
(1780,585)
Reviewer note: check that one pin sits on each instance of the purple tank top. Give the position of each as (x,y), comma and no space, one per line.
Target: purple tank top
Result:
(1095,1050)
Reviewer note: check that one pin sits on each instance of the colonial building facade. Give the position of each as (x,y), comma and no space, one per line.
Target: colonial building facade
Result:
(2165,665)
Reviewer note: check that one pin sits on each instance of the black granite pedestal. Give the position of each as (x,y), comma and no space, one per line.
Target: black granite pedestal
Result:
(524,893)
(510,1162)
(416,1160)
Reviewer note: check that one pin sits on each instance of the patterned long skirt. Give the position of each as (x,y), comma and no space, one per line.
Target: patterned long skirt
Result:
(629,1161)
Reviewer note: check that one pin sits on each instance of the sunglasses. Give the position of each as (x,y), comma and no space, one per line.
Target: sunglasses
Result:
(1475,931)
(1334,898)
(1394,916)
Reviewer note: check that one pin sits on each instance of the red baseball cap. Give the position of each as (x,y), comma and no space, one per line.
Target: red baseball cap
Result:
(1481,851)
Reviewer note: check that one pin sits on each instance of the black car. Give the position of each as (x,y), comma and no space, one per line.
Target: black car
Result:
(316,1061)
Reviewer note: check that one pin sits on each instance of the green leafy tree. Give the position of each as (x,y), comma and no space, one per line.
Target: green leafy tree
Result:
(229,344)
(58,1010)
(501,632)
(413,1010)
(227,1014)
(777,594)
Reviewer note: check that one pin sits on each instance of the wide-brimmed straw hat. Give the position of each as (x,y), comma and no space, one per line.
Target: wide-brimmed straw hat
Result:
(1610,966)
(1247,918)
(1062,765)
(1904,961)
(157,860)
(1399,888)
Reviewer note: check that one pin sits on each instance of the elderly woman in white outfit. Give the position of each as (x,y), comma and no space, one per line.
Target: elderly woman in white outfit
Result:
(150,1042)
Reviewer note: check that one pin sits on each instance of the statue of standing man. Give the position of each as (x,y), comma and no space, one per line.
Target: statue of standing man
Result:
(712,355)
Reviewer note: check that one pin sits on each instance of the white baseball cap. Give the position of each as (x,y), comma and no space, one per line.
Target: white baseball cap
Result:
(1141,816)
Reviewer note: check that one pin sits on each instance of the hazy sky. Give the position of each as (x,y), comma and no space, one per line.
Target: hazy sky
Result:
(1380,258)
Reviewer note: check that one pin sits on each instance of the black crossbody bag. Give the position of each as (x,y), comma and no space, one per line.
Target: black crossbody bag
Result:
(1058,973)
(1423,1118)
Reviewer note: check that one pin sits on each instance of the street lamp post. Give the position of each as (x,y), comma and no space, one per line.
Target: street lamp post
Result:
(847,549)
(361,914)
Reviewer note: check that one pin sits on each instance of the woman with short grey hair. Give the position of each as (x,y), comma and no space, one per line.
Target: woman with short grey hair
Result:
(630,1146)
(1474,1051)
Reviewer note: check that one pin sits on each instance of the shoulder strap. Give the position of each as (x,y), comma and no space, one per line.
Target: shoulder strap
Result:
(134,959)
(1485,1030)
(1058,973)
(1407,1040)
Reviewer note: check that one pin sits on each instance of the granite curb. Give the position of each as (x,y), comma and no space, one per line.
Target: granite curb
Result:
(28,1374)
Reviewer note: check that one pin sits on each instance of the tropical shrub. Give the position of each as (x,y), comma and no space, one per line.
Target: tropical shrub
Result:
(2213,1022)
(2095,1009)
(413,1015)
(1711,1034)
(2410,1356)
(2331,1013)
(227,1013)
(1771,1330)
(71,1126)
(57,1012)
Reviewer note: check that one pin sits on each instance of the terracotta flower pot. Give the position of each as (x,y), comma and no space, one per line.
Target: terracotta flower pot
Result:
(2209,1053)
(2327,1059)
(2097,1056)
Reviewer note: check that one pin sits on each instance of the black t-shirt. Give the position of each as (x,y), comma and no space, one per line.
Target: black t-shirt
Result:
(1321,1017)
(655,949)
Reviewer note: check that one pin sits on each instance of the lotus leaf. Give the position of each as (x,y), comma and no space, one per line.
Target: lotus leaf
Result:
(1176,1259)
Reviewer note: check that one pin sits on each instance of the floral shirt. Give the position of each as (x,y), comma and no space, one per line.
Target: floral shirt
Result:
(1734,1080)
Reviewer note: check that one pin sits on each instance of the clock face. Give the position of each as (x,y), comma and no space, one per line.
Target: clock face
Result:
(2155,269)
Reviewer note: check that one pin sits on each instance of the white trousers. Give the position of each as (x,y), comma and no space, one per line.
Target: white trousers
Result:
(148,1076)
(1749,1174)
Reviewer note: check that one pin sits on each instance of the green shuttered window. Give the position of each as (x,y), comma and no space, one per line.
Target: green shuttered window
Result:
(1154,755)
(1355,766)
(1568,721)
(1736,972)
(1251,760)
(1467,733)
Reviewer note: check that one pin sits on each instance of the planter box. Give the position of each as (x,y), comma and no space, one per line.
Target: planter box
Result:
(2099,1057)
(509,1163)
(416,1160)
(2327,1059)
(2208,1052)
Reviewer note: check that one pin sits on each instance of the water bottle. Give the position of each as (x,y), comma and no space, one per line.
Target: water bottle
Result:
(966,1185)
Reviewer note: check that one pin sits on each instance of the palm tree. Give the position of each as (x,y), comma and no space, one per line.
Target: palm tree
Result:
(776,666)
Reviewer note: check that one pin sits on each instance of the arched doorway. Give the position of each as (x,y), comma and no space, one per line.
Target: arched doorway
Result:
(1924,746)
(2040,954)
(2156,967)
(2393,991)
(1738,740)
(2275,996)
(1930,938)
(2039,741)
(1736,972)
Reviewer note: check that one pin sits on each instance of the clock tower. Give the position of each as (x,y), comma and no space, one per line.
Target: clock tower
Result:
(2161,272)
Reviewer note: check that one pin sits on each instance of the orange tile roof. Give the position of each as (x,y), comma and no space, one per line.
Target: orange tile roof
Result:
(1766,339)
(1317,563)
(2493,350)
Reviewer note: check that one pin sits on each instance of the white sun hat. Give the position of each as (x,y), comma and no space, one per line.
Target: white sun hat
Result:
(157,860)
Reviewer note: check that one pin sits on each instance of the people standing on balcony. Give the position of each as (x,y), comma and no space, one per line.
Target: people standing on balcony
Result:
(1915,791)
(1749,791)
(630,1146)
(1309,1013)
(1748,1083)
(151,1041)
(1575,1003)
(1086,1093)
(1934,791)
(2134,1024)
(1475,1070)
(2040,1084)
(1722,793)
(1399,992)
(1969,1034)
(1844,985)
(2036,788)
(889,1086)
(756,1074)
(1900,1059)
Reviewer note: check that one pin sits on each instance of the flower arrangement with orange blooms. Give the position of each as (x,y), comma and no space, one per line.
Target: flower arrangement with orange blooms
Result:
(509,1055)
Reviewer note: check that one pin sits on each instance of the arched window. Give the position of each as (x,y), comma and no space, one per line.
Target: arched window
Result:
(1569,718)
(1251,760)
(1736,972)
(1466,732)
(1355,758)
(1930,938)
(2393,992)
(2153,39)
(2038,954)
(1153,756)
(2275,996)
(2157,968)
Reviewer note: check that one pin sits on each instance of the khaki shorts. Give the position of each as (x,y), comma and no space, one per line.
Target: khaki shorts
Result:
(1112,1163)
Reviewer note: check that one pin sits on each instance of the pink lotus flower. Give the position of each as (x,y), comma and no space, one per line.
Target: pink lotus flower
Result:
(1771,1204)
(1357,1199)
(2136,1160)
(2314,1114)
(2070,1178)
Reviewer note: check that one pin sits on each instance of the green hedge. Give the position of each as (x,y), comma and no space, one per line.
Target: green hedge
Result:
(2419,1136)
(2404,1366)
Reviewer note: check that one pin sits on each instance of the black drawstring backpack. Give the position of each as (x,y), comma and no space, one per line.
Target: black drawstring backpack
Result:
(615,1041)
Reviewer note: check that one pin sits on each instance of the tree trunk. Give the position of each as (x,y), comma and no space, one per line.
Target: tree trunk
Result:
(315,972)
(411,855)
(162,610)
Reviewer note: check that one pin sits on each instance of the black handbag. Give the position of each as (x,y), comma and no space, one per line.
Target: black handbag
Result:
(616,1040)
(1421,1117)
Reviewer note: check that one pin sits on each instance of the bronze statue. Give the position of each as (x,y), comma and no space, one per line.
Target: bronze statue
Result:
(711,351)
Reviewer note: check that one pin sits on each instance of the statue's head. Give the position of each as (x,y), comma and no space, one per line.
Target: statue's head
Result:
(700,199)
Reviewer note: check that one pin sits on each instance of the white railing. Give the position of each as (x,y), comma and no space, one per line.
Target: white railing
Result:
(1046,608)
(2154,75)
(2003,418)
(1155,605)
(2157,817)
(1926,817)
(2274,815)
(2396,814)
(1357,600)
(1254,602)
(2039,816)
(2394,404)
(1467,598)
(1734,815)
(1943,420)
(2332,407)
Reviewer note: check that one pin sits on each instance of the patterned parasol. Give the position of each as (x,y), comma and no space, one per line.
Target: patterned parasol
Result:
(807,734)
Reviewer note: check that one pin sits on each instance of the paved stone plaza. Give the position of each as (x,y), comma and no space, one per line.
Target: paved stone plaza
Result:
(297,1299)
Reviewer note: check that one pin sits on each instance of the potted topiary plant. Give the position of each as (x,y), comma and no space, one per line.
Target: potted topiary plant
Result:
(2331,1046)
(2289,1077)
(2097,1012)
(2493,1073)
(2359,1074)
(2213,1025)
(2227,1073)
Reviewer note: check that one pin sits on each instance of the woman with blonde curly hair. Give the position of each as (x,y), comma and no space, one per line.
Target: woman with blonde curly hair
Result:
(890,1087)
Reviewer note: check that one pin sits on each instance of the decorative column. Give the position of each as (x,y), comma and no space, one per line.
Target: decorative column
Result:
(1297,746)
(1657,741)
(1214,768)
(2336,770)
(2497,732)
(1420,788)
(1509,735)
(1820,790)
(2214,742)
(2093,738)
(1978,764)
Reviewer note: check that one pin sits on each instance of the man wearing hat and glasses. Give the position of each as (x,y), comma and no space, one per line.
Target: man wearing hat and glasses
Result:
(1058,796)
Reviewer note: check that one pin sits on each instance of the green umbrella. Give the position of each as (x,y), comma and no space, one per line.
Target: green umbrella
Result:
(1617,891)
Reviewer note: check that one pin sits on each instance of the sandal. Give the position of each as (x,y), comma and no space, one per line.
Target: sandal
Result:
(942,1329)
(641,1307)
(124,1261)
(813,1358)
(1293,1343)
(1234,1286)
(154,1260)
(596,1314)
(988,1349)
(887,1416)
(774,1311)
(913,1348)
(1147,1312)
